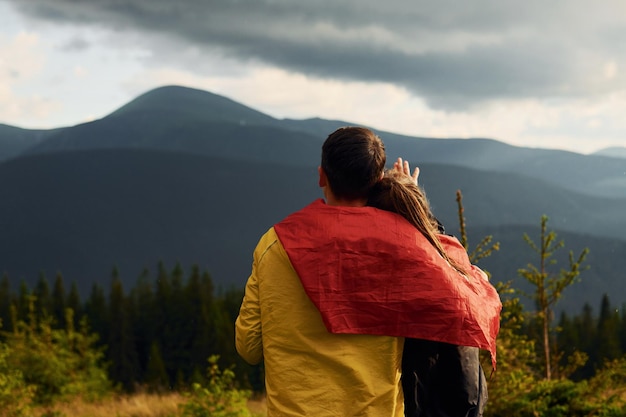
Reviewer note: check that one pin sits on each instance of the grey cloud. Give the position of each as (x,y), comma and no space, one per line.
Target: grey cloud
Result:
(453,54)
(75,45)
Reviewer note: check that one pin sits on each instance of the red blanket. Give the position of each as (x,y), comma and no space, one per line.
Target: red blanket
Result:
(370,271)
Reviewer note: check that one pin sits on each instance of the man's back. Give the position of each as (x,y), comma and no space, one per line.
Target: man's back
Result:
(310,372)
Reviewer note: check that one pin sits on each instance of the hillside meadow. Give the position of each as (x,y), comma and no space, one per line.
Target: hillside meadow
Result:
(136,405)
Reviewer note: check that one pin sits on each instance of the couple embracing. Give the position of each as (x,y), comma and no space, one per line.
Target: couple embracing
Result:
(360,305)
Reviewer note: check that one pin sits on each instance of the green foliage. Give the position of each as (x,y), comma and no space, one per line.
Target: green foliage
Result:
(549,287)
(566,398)
(516,357)
(155,337)
(554,398)
(482,249)
(516,388)
(220,398)
(59,363)
(16,396)
(155,377)
(121,344)
(608,345)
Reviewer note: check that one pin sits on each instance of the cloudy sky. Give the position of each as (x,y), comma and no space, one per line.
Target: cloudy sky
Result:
(533,73)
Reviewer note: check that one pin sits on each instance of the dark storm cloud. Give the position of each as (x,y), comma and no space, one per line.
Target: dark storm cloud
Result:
(451,53)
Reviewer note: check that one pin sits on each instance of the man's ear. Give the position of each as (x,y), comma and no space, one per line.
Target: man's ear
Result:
(323,181)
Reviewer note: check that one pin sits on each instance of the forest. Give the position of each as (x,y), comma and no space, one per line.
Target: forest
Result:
(172,332)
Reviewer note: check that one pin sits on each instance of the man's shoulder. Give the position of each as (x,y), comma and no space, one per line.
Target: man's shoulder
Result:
(268,241)
(268,238)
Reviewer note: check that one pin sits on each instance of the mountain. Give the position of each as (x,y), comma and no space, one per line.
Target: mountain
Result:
(185,175)
(83,212)
(603,269)
(587,174)
(14,140)
(599,174)
(187,120)
(510,199)
(191,104)
(195,121)
(613,152)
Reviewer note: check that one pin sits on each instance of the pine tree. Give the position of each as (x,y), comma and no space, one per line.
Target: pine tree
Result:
(163,300)
(144,319)
(549,287)
(199,298)
(22,303)
(608,344)
(587,329)
(226,313)
(182,324)
(73,302)
(622,328)
(43,302)
(484,248)
(5,304)
(97,313)
(568,336)
(156,377)
(121,344)
(58,301)
(571,357)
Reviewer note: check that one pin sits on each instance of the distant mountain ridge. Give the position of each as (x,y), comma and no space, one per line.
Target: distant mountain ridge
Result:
(15,140)
(183,174)
(614,152)
(87,211)
(195,121)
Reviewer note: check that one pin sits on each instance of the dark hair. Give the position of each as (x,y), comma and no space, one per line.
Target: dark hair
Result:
(353,159)
(398,193)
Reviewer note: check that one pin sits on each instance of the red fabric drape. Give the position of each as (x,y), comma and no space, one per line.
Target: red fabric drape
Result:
(369,271)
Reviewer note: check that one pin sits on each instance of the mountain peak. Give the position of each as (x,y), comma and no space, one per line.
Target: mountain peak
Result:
(194,103)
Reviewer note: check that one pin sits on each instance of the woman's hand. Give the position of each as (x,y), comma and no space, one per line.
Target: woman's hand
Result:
(403,167)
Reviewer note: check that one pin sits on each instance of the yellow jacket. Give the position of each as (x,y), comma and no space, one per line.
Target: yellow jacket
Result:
(308,371)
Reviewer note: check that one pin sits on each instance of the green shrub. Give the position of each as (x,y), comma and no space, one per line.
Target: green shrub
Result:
(564,398)
(59,363)
(220,398)
(16,396)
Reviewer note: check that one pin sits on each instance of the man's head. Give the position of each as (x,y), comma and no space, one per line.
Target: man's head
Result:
(353,160)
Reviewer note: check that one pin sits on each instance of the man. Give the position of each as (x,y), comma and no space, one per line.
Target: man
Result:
(336,286)
(309,371)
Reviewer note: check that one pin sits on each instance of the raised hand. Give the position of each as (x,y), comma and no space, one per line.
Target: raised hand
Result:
(403,167)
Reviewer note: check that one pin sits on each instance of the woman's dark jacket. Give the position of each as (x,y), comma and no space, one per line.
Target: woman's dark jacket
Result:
(442,380)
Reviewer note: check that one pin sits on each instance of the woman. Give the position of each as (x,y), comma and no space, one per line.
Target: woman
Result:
(438,379)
